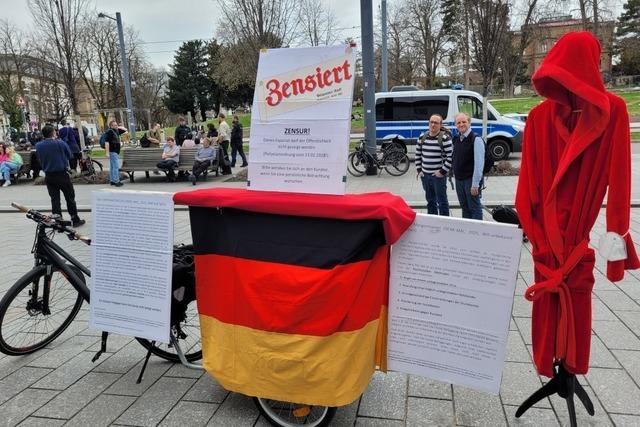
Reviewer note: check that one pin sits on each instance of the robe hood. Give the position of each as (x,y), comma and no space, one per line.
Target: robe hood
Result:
(572,67)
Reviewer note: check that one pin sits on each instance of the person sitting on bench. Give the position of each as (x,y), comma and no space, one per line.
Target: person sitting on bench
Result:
(206,154)
(170,159)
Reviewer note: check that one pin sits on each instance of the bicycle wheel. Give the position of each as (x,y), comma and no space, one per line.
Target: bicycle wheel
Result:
(357,164)
(287,414)
(96,165)
(26,325)
(188,333)
(396,163)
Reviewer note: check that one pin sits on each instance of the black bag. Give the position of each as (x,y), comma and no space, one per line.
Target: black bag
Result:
(505,215)
(144,141)
(183,282)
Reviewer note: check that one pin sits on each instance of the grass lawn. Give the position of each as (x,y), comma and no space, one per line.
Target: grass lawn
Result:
(523,105)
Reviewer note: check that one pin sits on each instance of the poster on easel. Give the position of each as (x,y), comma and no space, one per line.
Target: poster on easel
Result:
(301,120)
(451,290)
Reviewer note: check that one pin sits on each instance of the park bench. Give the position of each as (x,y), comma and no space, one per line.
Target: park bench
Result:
(146,159)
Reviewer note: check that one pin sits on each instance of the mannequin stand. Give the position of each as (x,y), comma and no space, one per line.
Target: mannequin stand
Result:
(565,385)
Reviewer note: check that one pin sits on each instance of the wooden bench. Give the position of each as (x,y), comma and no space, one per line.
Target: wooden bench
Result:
(146,159)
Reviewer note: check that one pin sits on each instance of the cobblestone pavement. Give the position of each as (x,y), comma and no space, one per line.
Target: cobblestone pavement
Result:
(59,385)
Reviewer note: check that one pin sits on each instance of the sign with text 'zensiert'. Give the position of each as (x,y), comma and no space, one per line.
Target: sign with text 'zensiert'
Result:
(301,120)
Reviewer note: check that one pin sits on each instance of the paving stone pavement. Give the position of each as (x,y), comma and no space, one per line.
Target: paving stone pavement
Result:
(59,385)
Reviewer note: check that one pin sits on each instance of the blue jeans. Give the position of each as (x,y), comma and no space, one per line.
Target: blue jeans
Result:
(435,190)
(114,167)
(7,168)
(471,205)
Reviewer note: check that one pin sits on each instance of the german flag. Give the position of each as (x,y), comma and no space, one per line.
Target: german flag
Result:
(292,289)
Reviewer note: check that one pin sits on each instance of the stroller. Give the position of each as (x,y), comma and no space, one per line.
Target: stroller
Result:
(507,215)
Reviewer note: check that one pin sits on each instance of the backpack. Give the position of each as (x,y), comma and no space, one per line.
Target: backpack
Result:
(103,138)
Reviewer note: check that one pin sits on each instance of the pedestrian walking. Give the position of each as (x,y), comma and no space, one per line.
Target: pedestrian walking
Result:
(54,156)
(236,142)
(67,134)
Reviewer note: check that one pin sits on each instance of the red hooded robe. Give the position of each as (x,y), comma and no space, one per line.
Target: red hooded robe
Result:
(576,145)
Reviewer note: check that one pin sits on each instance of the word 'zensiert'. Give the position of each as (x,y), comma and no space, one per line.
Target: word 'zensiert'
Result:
(322,79)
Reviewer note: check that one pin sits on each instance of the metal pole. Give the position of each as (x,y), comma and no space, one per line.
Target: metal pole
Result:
(369,81)
(127,80)
(385,59)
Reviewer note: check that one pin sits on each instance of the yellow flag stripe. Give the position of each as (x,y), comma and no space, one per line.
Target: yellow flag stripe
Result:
(328,371)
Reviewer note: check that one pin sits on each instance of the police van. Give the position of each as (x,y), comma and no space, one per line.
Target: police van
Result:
(405,115)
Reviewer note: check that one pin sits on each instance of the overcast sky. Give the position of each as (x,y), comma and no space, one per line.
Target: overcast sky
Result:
(177,20)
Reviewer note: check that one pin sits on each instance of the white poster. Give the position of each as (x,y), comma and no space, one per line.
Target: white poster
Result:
(131,263)
(301,120)
(451,289)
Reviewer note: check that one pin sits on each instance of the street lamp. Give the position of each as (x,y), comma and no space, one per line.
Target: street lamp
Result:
(125,73)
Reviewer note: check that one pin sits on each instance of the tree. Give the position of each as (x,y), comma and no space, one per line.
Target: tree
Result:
(318,23)
(490,19)
(402,62)
(627,41)
(247,26)
(13,48)
(189,83)
(512,64)
(60,22)
(487,36)
(430,36)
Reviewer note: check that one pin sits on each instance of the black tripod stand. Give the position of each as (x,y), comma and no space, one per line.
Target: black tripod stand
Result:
(565,384)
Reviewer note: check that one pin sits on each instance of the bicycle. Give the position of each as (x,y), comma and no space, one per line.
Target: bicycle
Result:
(89,167)
(52,293)
(44,301)
(391,158)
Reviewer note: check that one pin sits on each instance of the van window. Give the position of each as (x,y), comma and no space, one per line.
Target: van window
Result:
(425,106)
(394,109)
(411,108)
(473,107)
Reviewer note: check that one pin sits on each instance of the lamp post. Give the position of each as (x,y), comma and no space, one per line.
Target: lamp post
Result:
(125,73)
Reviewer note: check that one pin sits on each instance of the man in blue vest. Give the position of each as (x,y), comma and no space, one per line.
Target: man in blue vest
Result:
(54,156)
(468,163)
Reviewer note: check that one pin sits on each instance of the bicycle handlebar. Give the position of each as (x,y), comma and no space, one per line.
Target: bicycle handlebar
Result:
(52,222)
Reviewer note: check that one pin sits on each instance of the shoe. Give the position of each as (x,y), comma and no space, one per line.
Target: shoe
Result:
(244,165)
(6,183)
(78,222)
(116,184)
(233,165)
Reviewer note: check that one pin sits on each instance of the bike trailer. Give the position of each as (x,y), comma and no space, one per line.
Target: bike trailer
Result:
(289,309)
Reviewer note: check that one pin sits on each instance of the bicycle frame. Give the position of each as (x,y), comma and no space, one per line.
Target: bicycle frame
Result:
(49,254)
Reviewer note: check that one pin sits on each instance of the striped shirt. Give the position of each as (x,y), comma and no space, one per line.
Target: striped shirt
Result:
(431,158)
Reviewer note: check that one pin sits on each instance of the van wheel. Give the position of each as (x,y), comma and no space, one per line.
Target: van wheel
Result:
(499,149)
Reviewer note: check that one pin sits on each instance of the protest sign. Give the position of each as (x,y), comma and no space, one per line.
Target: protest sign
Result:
(451,290)
(301,120)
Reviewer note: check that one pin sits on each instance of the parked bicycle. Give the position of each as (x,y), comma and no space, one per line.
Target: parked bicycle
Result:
(89,167)
(44,302)
(391,158)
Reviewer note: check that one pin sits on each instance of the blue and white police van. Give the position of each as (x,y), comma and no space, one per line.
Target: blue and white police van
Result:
(405,115)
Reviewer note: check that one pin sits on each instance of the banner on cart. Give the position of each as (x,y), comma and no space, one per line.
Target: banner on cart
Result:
(131,263)
(301,120)
(451,291)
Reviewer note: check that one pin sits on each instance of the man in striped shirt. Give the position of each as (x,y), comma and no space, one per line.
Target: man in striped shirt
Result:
(433,162)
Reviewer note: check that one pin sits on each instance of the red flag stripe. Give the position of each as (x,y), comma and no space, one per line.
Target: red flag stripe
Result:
(292,299)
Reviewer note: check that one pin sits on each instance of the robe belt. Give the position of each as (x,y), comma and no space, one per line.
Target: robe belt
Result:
(556,282)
